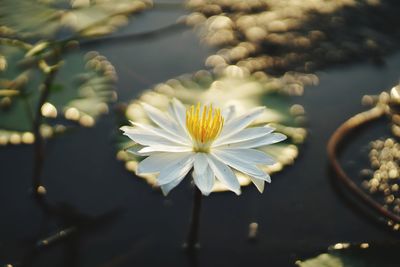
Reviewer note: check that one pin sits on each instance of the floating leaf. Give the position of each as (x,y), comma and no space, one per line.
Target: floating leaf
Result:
(356,255)
(233,87)
(48,18)
(15,138)
(14,80)
(10,137)
(81,92)
(94,89)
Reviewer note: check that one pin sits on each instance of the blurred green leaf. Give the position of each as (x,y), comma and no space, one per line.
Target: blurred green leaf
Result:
(88,87)
(56,88)
(81,92)
(360,255)
(45,19)
(323,260)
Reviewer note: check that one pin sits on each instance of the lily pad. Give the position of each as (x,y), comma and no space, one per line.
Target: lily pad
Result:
(81,92)
(86,95)
(356,255)
(234,87)
(45,19)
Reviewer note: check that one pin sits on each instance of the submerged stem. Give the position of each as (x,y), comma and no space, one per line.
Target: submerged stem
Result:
(192,241)
(39,146)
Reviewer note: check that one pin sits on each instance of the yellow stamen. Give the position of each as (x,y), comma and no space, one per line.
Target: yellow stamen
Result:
(204,126)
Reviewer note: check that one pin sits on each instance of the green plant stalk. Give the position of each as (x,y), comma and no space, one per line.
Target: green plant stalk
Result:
(192,241)
(39,145)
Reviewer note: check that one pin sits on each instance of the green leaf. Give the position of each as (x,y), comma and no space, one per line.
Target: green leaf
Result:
(45,19)
(56,88)
(323,260)
(356,255)
(81,93)
(88,88)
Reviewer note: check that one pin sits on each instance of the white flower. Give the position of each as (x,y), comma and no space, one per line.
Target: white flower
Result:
(204,139)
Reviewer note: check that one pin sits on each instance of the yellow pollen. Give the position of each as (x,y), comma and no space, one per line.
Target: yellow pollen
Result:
(204,126)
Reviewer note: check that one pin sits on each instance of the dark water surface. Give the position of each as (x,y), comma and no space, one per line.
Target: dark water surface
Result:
(299,214)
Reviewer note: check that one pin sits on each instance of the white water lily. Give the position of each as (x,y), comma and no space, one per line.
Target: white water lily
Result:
(212,142)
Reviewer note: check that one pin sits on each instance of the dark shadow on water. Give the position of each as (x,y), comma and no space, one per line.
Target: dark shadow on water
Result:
(74,226)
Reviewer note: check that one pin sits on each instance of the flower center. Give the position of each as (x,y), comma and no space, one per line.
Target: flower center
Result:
(204,125)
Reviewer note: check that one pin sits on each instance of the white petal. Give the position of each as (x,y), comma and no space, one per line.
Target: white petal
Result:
(249,155)
(258,142)
(176,169)
(156,162)
(268,178)
(166,188)
(162,120)
(237,124)
(228,113)
(258,183)
(240,165)
(135,150)
(179,112)
(224,174)
(244,135)
(163,148)
(155,131)
(204,181)
(144,151)
(149,139)
(200,163)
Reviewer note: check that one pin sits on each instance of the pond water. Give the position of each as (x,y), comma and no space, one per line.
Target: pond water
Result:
(299,215)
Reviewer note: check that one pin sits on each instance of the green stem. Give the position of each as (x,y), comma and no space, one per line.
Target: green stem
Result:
(39,145)
(192,241)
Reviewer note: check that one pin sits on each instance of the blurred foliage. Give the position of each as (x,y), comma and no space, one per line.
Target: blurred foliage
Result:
(94,83)
(80,92)
(39,72)
(295,35)
(49,18)
(236,87)
(360,255)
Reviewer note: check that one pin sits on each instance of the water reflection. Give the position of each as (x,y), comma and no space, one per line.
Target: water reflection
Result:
(74,226)
(294,35)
